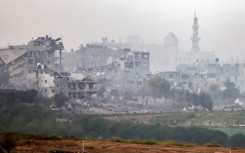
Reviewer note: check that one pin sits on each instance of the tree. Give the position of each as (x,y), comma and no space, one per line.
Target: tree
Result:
(60,99)
(27,96)
(8,143)
(237,140)
(202,100)
(231,92)
(30,96)
(4,76)
(181,97)
(42,100)
(10,97)
(205,101)
(159,87)
(194,99)
(101,91)
(214,90)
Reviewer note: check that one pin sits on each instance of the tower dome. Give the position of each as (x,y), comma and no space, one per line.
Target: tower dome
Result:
(171,41)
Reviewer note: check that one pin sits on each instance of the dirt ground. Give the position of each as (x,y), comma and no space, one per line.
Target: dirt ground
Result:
(72,146)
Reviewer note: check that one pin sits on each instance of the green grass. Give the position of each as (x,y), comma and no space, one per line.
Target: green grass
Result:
(212,144)
(176,143)
(231,131)
(136,141)
(36,136)
(214,119)
(167,143)
(173,118)
(217,120)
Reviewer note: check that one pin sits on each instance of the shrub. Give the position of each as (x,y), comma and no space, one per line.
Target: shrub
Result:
(170,143)
(57,150)
(8,143)
(90,147)
(212,144)
(237,140)
(117,139)
(60,99)
(148,142)
(136,141)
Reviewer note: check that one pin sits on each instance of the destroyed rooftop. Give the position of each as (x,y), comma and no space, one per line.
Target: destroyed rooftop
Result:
(11,53)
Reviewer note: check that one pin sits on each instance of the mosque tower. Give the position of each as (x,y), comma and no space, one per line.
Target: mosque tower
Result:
(195,39)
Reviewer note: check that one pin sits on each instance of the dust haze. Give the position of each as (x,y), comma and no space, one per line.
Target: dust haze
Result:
(155,72)
(84,21)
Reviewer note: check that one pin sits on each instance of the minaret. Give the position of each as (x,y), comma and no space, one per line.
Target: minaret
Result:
(195,39)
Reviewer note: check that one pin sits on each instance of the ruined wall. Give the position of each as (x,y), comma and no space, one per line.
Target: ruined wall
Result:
(94,56)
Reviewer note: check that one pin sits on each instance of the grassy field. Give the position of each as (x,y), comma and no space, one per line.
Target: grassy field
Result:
(231,131)
(230,122)
(217,118)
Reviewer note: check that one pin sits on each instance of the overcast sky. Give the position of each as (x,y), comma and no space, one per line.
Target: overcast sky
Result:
(222,22)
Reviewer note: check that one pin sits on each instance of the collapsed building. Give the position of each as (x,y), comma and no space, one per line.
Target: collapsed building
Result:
(235,72)
(94,57)
(122,68)
(75,86)
(38,65)
(203,74)
(133,66)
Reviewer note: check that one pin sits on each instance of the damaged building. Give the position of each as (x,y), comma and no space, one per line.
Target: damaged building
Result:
(121,67)
(36,65)
(75,86)
(94,57)
(4,74)
(31,65)
(133,67)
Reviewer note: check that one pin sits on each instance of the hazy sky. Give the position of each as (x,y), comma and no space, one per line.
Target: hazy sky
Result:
(222,22)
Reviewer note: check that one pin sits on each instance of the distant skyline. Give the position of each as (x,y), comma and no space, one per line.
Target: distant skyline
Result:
(222,22)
